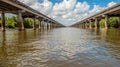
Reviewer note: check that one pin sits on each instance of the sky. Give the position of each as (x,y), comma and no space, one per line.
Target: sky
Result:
(69,12)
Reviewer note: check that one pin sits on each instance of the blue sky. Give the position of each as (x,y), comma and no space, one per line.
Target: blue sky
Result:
(69,12)
(102,3)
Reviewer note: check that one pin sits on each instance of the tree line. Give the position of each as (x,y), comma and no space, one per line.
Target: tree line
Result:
(12,22)
(28,22)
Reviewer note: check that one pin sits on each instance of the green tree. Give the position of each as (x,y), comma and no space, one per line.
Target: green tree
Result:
(102,23)
(28,23)
(113,22)
(10,23)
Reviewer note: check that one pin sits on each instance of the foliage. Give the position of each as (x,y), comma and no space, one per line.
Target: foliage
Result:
(28,23)
(10,23)
(113,22)
(13,22)
(102,23)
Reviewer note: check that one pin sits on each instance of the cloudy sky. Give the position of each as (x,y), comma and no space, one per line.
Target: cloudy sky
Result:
(69,12)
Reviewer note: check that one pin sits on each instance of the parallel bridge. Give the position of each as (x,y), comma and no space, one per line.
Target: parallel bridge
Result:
(113,11)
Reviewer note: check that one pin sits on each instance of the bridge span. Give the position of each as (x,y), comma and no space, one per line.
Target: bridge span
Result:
(113,11)
(24,11)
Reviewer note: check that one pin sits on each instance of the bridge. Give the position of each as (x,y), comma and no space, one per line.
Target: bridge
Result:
(24,11)
(113,11)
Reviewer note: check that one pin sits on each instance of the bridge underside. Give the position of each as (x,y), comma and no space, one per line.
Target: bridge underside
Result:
(7,8)
(23,11)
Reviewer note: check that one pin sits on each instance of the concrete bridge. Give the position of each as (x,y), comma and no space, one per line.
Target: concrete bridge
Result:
(24,11)
(113,11)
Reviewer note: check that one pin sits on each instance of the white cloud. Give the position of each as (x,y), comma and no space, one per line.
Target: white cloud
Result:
(69,11)
(96,9)
(44,7)
(66,12)
(111,4)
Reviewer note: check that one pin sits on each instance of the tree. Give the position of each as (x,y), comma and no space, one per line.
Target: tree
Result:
(28,23)
(113,22)
(102,23)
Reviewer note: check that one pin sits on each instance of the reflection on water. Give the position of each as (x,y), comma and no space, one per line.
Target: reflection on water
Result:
(60,47)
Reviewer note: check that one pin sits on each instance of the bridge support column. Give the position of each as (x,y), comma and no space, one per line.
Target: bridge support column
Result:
(106,22)
(86,25)
(20,21)
(40,24)
(96,24)
(50,25)
(44,25)
(90,24)
(47,25)
(34,23)
(83,25)
(3,21)
(53,25)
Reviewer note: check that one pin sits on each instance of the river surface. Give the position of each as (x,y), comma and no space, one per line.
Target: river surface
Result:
(60,47)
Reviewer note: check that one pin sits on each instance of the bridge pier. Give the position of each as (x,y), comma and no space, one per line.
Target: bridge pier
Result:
(106,22)
(40,24)
(47,25)
(20,21)
(43,24)
(34,23)
(50,25)
(90,24)
(96,23)
(83,25)
(3,21)
(53,25)
(87,25)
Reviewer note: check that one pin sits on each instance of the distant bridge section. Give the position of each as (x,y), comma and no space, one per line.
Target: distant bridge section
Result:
(113,11)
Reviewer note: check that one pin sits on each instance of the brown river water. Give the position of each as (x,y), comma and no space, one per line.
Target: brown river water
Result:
(60,47)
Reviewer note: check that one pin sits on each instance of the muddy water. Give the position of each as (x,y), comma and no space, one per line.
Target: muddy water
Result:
(60,47)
